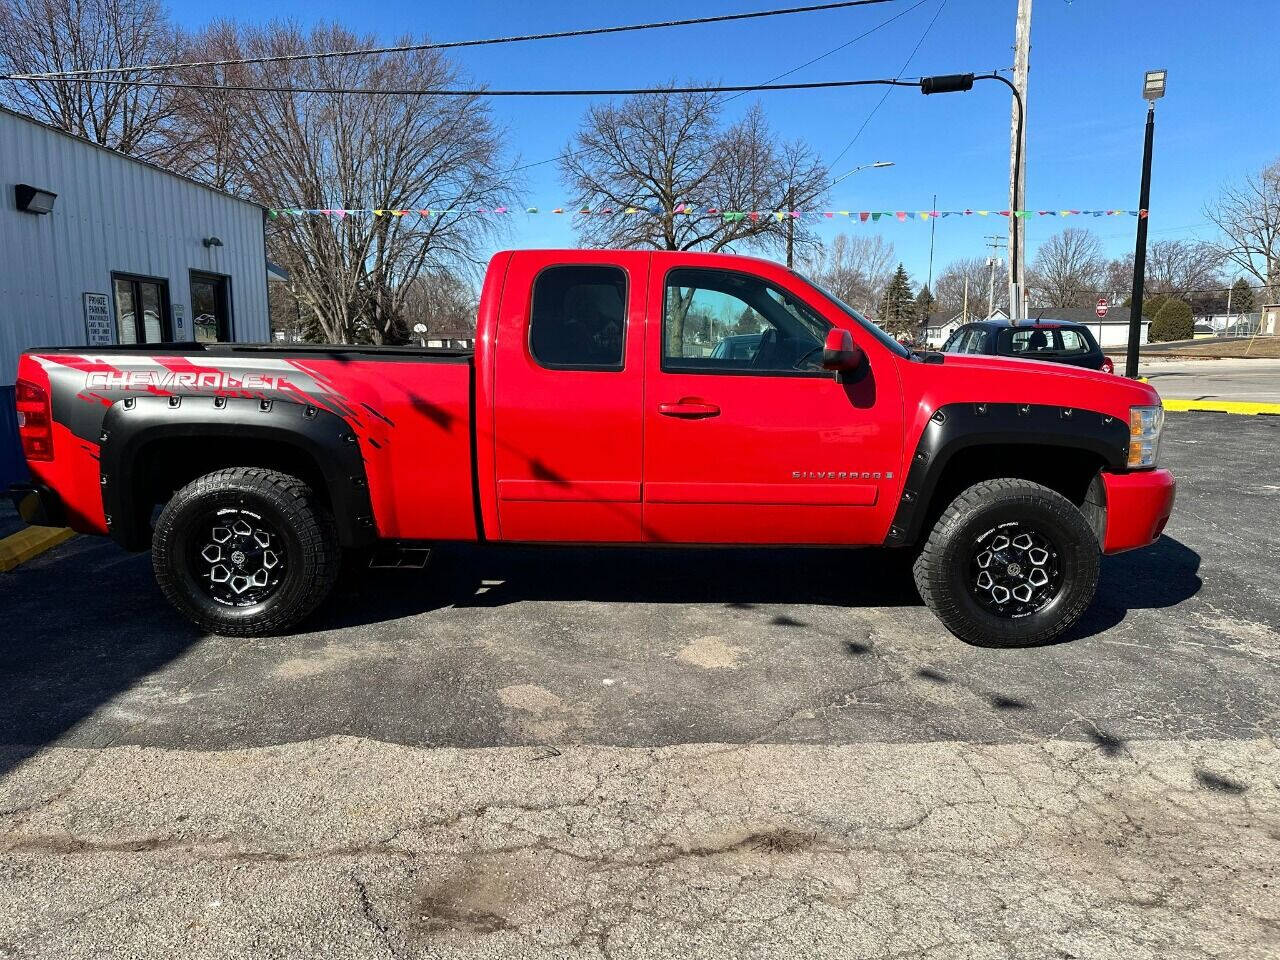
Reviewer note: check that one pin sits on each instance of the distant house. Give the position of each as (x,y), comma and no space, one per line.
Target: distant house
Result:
(1237,324)
(1110,331)
(940,328)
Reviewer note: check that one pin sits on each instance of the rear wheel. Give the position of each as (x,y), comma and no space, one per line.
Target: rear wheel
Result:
(245,551)
(1009,563)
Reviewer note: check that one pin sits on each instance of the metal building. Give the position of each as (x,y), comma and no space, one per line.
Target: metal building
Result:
(98,248)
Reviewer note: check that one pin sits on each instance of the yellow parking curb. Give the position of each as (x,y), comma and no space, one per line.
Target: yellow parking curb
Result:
(22,546)
(1179,405)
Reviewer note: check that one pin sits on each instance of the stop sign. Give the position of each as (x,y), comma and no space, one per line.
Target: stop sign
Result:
(1102,307)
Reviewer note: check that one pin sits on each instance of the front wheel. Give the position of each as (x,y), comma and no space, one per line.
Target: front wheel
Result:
(245,551)
(1010,563)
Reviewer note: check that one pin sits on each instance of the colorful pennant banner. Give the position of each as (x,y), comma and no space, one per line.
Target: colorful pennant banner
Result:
(684,209)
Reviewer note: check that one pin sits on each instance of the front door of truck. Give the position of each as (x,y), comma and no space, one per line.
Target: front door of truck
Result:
(568,381)
(747,439)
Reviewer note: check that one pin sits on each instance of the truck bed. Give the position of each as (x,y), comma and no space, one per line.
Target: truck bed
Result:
(409,409)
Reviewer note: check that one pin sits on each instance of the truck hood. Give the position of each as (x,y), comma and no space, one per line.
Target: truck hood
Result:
(978,379)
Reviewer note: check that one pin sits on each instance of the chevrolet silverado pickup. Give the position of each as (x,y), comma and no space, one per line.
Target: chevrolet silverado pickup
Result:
(609,400)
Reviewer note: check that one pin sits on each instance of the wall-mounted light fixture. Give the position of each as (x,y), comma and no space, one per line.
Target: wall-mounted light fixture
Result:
(34,200)
(211,242)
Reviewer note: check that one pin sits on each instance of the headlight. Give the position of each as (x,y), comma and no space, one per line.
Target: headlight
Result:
(1145,424)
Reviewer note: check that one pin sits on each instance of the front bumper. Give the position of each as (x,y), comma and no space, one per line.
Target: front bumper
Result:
(1138,507)
(38,505)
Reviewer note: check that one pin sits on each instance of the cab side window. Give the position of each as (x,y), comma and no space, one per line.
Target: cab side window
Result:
(718,321)
(578,318)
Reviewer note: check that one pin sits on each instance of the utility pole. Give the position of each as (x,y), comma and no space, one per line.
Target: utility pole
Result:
(1017,160)
(791,231)
(995,243)
(964,311)
(933,229)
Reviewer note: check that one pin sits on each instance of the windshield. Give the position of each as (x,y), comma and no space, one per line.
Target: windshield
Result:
(859,319)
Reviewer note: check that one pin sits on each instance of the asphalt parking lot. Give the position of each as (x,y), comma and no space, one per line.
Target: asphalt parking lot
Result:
(630,753)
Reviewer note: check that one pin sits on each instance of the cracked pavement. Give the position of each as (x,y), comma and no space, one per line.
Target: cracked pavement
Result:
(575,753)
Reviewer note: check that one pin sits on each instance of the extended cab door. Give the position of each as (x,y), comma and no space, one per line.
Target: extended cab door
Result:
(567,387)
(747,439)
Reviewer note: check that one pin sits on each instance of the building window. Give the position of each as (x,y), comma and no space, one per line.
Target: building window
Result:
(210,307)
(142,309)
(578,318)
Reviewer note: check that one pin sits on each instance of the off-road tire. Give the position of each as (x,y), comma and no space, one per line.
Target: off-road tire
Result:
(944,568)
(293,522)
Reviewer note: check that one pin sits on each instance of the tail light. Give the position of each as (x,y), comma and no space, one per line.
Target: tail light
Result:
(35,421)
(1108,366)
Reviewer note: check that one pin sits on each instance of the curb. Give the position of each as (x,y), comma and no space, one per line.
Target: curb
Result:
(1178,405)
(22,546)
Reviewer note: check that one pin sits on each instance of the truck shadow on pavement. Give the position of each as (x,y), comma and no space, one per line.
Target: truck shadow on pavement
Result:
(81,627)
(88,624)
(465,576)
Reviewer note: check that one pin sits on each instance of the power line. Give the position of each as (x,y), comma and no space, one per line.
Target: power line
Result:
(482,92)
(786,73)
(880,103)
(448,45)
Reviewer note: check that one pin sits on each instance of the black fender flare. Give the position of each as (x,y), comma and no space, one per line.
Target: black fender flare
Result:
(137,422)
(959,426)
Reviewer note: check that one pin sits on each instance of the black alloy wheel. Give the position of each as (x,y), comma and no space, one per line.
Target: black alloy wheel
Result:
(1014,571)
(239,559)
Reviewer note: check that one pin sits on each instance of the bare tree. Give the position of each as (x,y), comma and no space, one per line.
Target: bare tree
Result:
(855,268)
(1248,214)
(1117,280)
(1181,267)
(977,270)
(202,144)
(443,302)
(1068,270)
(47,36)
(1187,269)
(656,152)
(400,154)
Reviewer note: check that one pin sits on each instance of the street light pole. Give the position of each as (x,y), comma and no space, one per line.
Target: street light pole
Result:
(960,82)
(1152,89)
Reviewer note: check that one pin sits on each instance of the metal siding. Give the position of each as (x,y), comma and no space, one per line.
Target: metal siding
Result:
(112,214)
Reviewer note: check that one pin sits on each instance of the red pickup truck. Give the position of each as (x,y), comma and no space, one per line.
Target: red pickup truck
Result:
(613,397)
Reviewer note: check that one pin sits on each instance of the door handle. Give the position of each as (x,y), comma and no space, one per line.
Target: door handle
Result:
(689,410)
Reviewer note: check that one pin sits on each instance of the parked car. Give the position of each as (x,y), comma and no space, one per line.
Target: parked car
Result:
(742,346)
(1057,341)
(583,415)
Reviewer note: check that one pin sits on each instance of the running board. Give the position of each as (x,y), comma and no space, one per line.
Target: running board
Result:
(399,558)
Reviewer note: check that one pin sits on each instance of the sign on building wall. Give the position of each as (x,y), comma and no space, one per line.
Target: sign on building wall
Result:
(179,321)
(97,320)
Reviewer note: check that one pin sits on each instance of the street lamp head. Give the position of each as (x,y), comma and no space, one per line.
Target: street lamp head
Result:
(1153,84)
(883,163)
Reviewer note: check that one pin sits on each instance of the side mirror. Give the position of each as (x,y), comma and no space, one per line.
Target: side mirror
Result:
(840,352)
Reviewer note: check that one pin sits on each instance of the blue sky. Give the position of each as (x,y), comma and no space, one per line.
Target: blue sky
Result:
(1085,112)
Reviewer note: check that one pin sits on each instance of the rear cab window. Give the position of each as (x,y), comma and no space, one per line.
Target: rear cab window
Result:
(1045,342)
(578,318)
